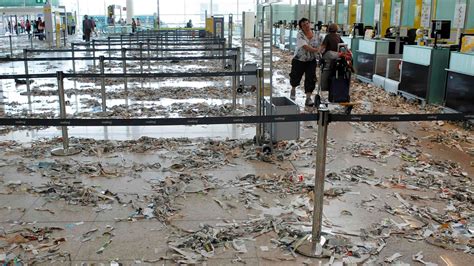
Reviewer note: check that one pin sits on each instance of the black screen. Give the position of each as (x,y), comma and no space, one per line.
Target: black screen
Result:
(414,79)
(365,65)
(460,92)
(442,28)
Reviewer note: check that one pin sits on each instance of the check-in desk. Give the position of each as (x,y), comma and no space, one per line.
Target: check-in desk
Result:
(460,83)
(423,74)
(372,58)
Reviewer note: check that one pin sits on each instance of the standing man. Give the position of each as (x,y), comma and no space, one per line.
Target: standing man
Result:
(73,27)
(86,29)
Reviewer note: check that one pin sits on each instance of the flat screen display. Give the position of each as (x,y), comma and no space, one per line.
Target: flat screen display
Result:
(414,79)
(365,65)
(460,92)
(442,28)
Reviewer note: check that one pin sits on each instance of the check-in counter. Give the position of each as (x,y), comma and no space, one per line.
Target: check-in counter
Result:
(372,58)
(290,38)
(423,74)
(460,83)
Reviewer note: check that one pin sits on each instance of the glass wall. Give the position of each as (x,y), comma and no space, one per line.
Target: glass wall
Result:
(23,3)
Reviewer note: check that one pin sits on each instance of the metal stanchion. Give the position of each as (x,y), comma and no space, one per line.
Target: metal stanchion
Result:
(124,62)
(158,38)
(102,83)
(65,150)
(259,127)
(121,41)
(73,59)
(65,43)
(312,246)
(31,39)
(25,57)
(140,45)
(11,45)
(149,55)
(223,54)
(234,84)
(93,54)
(110,52)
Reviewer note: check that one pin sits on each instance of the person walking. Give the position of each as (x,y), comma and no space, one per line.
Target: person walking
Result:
(28,28)
(86,29)
(134,25)
(304,60)
(73,27)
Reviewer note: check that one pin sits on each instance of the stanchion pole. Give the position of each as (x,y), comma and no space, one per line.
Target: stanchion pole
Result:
(93,54)
(11,45)
(223,55)
(234,84)
(65,43)
(140,46)
(149,60)
(66,150)
(31,39)
(158,38)
(124,62)
(240,78)
(102,83)
(313,247)
(73,60)
(25,57)
(121,41)
(110,52)
(259,132)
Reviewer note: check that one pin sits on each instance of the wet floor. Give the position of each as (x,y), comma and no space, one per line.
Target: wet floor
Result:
(207,194)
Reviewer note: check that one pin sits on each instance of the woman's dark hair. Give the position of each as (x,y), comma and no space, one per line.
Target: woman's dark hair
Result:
(301,21)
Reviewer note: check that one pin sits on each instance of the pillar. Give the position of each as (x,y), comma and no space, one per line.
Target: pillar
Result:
(48,23)
(130,13)
(385,20)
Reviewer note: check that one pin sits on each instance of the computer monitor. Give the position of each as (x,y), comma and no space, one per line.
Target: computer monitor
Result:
(441,29)
(358,29)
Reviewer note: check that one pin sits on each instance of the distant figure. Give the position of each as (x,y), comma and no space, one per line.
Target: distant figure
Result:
(73,27)
(28,27)
(86,29)
(41,27)
(93,25)
(138,22)
(134,25)
(189,24)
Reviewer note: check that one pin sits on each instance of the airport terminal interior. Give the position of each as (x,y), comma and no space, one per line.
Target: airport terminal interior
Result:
(232,132)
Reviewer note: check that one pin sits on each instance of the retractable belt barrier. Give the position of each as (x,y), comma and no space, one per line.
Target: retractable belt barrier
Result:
(230,120)
(180,58)
(132,50)
(131,75)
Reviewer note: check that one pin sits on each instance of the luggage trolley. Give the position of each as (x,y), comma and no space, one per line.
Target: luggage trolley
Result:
(336,78)
(266,79)
(269,133)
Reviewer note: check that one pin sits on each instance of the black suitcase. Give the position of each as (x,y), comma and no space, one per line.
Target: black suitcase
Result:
(339,88)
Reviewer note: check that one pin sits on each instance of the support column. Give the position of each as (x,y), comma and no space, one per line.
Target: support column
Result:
(130,13)
(385,19)
(352,12)
(418,6)
(48,23)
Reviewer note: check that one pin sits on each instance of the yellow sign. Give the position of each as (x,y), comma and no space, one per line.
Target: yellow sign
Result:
(47,9)
(467,44)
